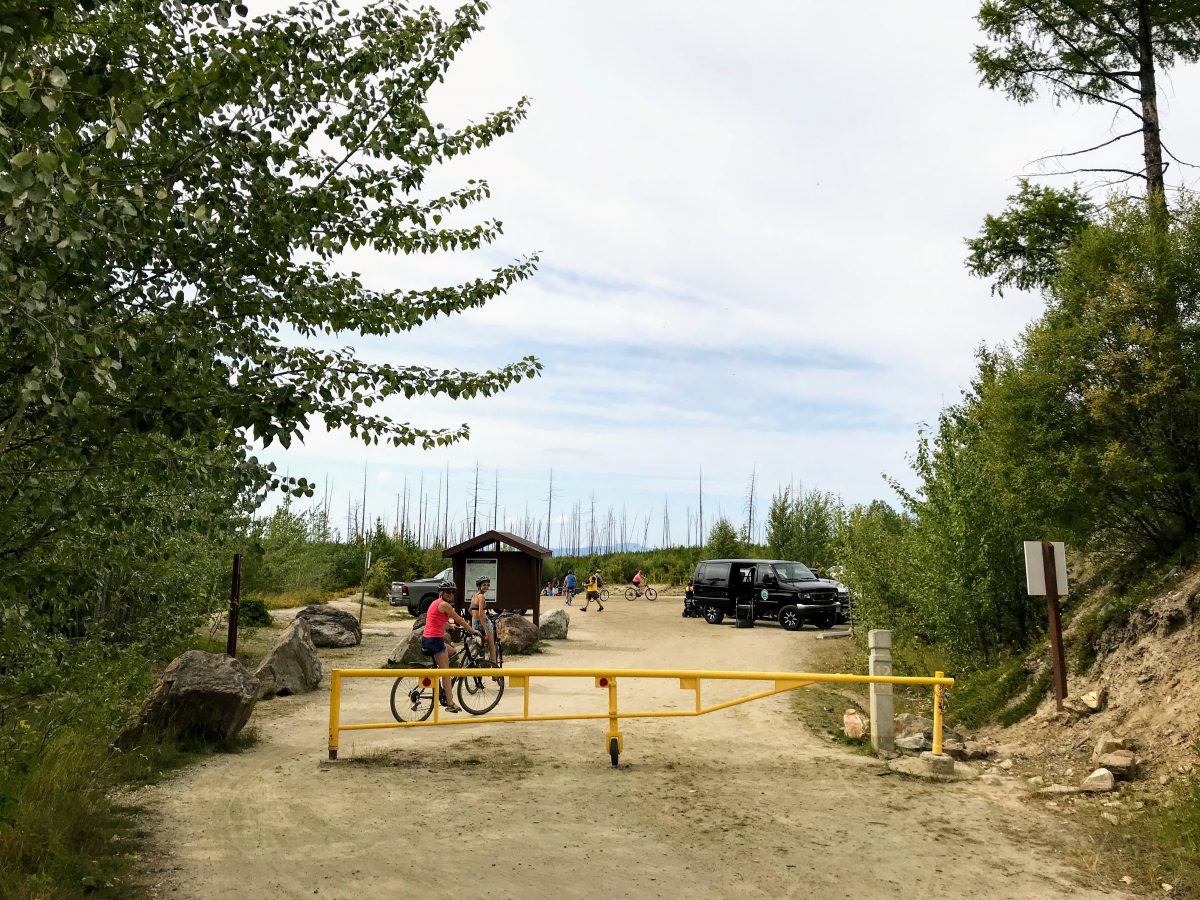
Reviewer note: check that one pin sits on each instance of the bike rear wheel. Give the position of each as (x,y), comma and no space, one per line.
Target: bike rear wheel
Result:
(630,593)
(603,595)
(479,694)
(411,701)
(651,594)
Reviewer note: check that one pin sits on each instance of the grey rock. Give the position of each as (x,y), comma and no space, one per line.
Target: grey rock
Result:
(1099,782)
(205,696)
(976,750)
(907,724)
(955,750)
(1110,743)
(1120,762)
(408,654)
(554,625)
(331,627)
(914,742)
(516,634)
(292,666)
(419,622)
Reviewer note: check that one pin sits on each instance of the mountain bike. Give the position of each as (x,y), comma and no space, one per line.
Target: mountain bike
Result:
(632,592)
(412,701)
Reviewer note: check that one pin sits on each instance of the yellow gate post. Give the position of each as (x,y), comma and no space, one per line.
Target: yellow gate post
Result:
(335,711)
(937,716)
(613,739)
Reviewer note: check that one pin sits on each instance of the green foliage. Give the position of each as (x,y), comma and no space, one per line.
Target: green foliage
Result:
(379,579)
(177,184)
(1023,246)
(802,526)
(723,541)
(253,613)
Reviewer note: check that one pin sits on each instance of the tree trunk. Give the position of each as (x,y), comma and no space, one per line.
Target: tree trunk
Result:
(1152,151)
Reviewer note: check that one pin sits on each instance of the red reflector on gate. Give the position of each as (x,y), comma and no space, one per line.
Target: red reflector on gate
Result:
(603,682)
(426,682)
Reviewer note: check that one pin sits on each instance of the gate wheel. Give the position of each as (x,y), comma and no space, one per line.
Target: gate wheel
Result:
(614,750)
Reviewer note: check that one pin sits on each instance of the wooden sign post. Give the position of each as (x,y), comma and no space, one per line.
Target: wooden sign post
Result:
(1046,573)
(235,604)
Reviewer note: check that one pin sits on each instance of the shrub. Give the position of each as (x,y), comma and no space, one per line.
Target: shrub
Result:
(253,613)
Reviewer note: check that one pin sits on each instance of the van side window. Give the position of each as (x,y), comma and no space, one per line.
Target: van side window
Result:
(698,578)
(716,574)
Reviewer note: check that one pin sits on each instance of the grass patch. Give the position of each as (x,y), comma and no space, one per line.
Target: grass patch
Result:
(62,834)
(298,597)
(1160,845)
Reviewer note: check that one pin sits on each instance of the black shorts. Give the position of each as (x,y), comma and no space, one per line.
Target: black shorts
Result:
(433,646)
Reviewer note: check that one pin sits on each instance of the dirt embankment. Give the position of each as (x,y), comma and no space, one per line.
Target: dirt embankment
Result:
(1149,670)
(746,802)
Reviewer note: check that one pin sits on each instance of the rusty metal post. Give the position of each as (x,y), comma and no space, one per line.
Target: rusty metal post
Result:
(235,605)
(1054,614)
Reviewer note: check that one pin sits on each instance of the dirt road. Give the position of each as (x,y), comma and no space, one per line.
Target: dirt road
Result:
(744,802)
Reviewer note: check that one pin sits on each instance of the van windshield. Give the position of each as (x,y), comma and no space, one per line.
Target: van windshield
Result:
(794,571)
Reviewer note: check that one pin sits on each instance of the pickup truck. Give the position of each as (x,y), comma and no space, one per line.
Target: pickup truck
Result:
(418,594)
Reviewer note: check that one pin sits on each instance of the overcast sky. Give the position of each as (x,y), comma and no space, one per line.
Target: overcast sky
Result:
(750,219)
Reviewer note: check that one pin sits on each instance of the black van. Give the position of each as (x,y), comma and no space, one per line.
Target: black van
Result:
(782,590)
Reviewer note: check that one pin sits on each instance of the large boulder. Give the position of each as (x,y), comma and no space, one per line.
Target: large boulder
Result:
(517,634)
(408,653)
(202,696)
(292,666)
(554,625)
(331,627)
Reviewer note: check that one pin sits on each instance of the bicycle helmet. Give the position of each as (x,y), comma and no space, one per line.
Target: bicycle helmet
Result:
(481,581)
(448,586)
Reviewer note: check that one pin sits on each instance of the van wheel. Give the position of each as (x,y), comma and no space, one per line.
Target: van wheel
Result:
(789,618)
(826,621)
(713,616)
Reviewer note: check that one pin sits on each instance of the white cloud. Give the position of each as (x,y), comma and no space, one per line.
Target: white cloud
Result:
(727,188)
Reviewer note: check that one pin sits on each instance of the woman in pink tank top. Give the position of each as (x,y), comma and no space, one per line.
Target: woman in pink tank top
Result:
(433,638)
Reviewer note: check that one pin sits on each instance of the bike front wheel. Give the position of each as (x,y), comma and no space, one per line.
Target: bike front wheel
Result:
(604,595)
(479,694)
(411,701)
(651,594)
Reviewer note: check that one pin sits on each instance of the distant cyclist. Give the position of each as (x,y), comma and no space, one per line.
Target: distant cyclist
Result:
(639,581)
(569,586)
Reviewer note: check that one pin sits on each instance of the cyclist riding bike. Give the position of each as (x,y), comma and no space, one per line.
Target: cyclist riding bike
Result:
(639,580)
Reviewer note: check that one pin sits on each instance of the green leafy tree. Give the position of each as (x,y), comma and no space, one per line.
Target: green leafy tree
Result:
(1092,51)
(802,526)
(723,541)
(1023,246)
(177,187)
